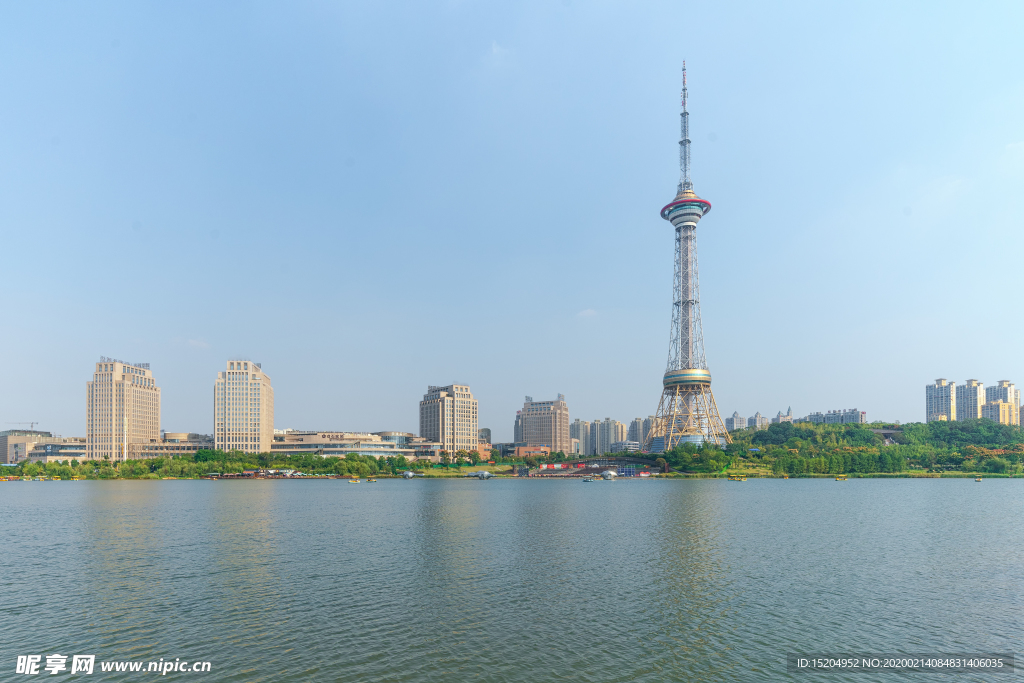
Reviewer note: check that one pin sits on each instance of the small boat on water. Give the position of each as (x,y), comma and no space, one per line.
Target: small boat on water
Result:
(977,479)
(588,479)
(737,477)
(353,481)
(841,477)
(371,480)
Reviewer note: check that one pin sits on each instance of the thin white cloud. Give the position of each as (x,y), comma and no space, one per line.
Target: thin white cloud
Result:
(586,313)
(198,343)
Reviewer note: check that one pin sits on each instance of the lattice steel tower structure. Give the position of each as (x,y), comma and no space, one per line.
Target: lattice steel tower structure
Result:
(687,410)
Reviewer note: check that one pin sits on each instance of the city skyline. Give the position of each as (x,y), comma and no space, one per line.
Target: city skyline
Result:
(124,145)
(263,423)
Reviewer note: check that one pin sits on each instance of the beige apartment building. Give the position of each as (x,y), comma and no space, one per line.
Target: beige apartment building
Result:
(243,408)
(1003,412)
(970,397)
(448,415)
(1005,391)
(122,410)
(546,423)
(940,401)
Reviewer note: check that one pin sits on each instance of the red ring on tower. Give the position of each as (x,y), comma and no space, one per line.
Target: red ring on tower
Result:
(689,200)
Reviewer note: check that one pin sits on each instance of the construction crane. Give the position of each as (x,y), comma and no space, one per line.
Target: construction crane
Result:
(31,425)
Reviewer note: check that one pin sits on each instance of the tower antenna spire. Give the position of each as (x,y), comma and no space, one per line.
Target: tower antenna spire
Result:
(684,143)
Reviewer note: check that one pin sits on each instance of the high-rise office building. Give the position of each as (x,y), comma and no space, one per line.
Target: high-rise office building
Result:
(940,401)
(518,431)
(735,422)
(546,423)
(243,408)
(1005,391)
(484,435)
(580,430)
(448,416)
(594,447)
(122,410)
(16,444)
(970,397)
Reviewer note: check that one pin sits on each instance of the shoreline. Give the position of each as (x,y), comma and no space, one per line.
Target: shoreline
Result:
(674,475)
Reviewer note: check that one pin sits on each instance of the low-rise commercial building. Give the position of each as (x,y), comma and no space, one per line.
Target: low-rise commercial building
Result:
(533,451)
(60,450)
(337,444)
(400,439)
(15,444)
(177,443)
(625,447)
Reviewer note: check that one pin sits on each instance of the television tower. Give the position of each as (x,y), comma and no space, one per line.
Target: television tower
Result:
(687,412)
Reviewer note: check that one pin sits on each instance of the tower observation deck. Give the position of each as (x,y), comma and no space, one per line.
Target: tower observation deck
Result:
(687,412)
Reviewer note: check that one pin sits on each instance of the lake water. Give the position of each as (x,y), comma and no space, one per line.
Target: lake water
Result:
(509,580)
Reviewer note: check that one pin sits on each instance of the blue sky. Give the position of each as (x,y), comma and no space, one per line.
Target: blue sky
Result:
(372,197)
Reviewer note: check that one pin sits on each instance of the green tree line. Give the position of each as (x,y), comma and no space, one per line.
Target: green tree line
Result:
(805,448)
